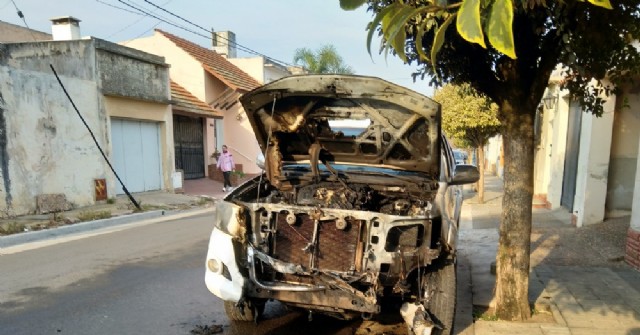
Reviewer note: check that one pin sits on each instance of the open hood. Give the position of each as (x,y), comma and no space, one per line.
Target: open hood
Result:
(344,119)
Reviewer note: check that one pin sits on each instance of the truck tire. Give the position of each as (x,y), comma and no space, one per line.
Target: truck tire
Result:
(439,289)
(249,311)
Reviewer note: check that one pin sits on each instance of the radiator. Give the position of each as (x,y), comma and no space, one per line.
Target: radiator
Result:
(337,250)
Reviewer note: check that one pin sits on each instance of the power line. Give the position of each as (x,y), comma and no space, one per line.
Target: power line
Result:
(209,37)
(134,22)
(19,12)
(175,15)
(158,17)
(144,32)
(234,43)
(120,8)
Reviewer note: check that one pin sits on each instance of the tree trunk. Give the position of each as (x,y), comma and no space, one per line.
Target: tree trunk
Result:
(481,170)
(512,283)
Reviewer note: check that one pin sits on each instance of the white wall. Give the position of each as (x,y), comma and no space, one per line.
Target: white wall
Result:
(558,121)
(624,152)
(49,150)
(492,155)
(635,214)
(593,166)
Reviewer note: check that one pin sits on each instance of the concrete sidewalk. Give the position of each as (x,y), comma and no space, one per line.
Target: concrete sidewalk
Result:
(196,194)
(579,283)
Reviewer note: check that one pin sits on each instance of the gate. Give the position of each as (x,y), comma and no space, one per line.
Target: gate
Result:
(571,156)
(188,136)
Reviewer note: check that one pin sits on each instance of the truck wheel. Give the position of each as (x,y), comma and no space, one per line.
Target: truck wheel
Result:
(439,291)
(247,312)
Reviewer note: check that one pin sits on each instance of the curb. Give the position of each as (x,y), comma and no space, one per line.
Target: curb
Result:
(49,234)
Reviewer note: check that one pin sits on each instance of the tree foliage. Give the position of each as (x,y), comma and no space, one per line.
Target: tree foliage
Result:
(467,116)
(468,20)
(324,60)
(471,119)
(507,50)
(592,39)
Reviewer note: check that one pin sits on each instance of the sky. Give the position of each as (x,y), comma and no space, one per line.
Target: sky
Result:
(275,28)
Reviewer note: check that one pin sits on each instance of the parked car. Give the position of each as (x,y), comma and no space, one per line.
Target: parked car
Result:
(461,157)
(347,212)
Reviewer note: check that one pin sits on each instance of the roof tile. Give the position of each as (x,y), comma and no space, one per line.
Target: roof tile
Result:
(182,98)
(215,64)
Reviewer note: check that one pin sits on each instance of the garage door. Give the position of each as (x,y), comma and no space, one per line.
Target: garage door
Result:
(136,154)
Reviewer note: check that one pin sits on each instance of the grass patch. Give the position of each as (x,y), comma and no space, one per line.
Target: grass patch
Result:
(94,215)
(12,228)
(204,200)
(111,201)
(484,314)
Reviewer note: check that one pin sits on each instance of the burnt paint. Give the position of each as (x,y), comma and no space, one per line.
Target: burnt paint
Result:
(4,156)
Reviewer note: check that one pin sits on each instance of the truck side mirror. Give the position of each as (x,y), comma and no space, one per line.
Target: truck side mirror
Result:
(465,174)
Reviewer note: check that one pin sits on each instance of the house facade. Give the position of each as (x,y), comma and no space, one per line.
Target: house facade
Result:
(587,164)
(122,94)
(218,83)
(189,123)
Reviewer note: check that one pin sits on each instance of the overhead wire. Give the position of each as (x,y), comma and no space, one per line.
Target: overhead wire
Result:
(134,22)
(161,19)
(120,8)
(234,43)
(209,37)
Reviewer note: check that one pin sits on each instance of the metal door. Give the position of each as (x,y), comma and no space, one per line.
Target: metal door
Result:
(136,155)
(188,136)
(571,156)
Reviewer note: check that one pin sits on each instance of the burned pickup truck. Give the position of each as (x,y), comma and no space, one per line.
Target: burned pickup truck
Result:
(359,202)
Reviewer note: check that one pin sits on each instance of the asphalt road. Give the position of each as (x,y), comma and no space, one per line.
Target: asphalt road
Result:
(142,279)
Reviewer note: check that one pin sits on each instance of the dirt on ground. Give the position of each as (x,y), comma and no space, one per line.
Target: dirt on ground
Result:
(601,244)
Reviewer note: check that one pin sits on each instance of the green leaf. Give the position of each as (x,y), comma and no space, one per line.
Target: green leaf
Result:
(398,42)
(351,4)
(393,27)
(438,39)
(419,47)
(500,31)
(376,22)
(602,3)
(468,23)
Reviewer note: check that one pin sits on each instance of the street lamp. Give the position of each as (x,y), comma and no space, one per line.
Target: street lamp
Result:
(549,100)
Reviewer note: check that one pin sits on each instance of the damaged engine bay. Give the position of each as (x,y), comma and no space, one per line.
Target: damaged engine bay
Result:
(353,206)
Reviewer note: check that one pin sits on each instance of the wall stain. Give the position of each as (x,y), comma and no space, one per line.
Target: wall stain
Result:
(4,156)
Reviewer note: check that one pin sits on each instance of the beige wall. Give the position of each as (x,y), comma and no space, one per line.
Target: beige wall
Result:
(188,73)
(184,70)
(239,137)
(146,111)
(253,66)
(261,70)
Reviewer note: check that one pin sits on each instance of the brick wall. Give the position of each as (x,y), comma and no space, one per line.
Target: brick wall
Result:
(633,248)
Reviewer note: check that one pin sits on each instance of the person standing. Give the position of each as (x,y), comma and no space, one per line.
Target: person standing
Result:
(226,165)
